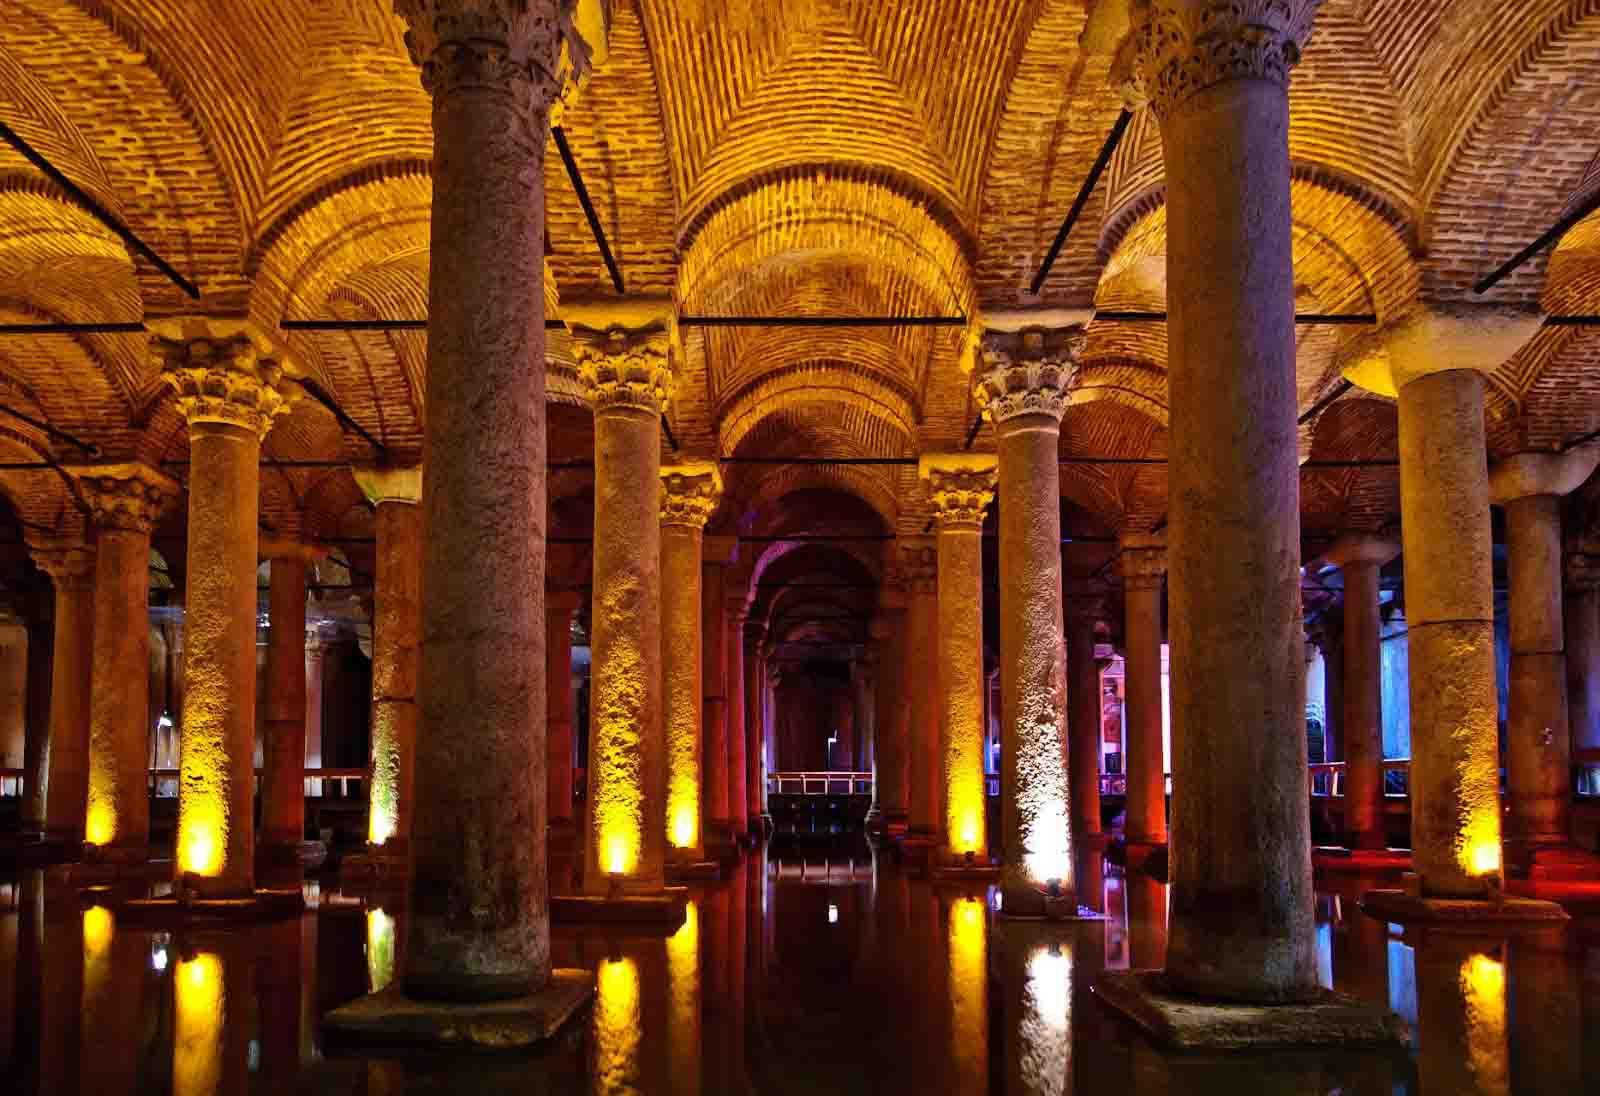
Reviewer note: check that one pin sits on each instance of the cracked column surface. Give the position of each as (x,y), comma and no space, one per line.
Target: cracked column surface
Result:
(559,609)
(283,785)
(1242,916)
(960,487)
(1085,605)
(228,392)
(689,494)
(1143,562)
(1433,358)
(626,371)
(919,573)
(1538,741)
(479,913)
(125,501)
(59,797)
(717,554)
(1359,559)
(1023,391)
(395,494)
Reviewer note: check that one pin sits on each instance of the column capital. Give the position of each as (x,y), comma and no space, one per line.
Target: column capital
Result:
(1523,475)
(1360,548)
(512,44)
(1026,370)
(1178,48)
(1434,337)
(400,484)
(127,496)
(960,487)
(221,377)
(690,491)
(916,565)
(286,548)
(1142,562)
(624,369)
(68,561)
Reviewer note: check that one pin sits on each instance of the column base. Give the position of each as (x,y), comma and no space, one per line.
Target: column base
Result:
(80,873)
(307,855)
(1190,1023)
(1337,859)
(377,865)
(115,854)
(1501,913)
(390,1018)
(261,905)
(694,868)
(947,866)
(1554,862)
(664,908)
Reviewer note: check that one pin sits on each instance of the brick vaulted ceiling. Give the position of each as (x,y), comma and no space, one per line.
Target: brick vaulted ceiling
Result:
(803,157)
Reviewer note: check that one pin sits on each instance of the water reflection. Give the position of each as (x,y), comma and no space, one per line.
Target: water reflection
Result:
(846,973)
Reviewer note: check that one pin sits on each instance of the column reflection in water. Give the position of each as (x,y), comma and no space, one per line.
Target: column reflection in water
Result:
(1147,920)
(968,1032)
(1461,1015)
(1038,981)
(683,981)
(617,1021)
(114,964)
(380,949)
(1546,1006)
(211,1005)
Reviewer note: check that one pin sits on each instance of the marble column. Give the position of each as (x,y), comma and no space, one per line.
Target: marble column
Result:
(479,793)
(1538,741)
(960,487)
(689,494)
(62,786)
(738,797)
(626,371)
(918,570)
(1242,918)
(1023,391)
(283,784)
(755,730)
(396,648)
(561,744)
(1085,605)
(717,554)
(1433,358)
(1359,559)
(1582,620)
(228,391)
(125,501)
(1143,563)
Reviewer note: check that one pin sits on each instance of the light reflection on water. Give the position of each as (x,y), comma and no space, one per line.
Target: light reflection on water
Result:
(846,975)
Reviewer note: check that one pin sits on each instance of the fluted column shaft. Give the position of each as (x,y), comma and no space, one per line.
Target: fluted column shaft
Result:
(1143,565)
(59,796)
(479,919)
(1242,912)
(689,495)
(559,608)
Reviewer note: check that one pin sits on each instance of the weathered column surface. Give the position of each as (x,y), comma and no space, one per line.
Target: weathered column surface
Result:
(1242,918)
(479,918)
(755,730)
(125,501)
(738,800)
(283,785)
(395,494)
(1538,740)
(919,575)
(228,392)
(1359,559)
(559,609)
(624,364)
(1433,359)
(717,554)
(889,772)
(59,796)
(1143,563)
(1026,373)
(689,494)
(960,487)
(1085,605)
(1582,620)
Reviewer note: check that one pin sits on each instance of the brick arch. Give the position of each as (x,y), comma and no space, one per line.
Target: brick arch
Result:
(886,415)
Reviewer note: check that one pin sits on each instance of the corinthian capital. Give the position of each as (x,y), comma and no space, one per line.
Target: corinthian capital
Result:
(689,493)
(1143,562)
(130,497)
(960,487)
(623,369)
(521,45)
(1027,372)
(223,379)
(1178,48)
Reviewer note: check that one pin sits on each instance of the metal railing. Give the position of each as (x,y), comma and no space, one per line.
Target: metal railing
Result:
(1327,779)
(10,783)
(320,783)
(819,783)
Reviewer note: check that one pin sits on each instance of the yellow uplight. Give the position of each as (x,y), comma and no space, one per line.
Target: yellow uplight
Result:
(684,827)
(200,854)
(101,825)
(98,928)
(1484,858)
(380,825)
(380,949)
(619,855)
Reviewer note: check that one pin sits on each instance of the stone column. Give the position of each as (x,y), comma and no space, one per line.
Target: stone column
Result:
(718,553)
(125,501)
(228,393)
(755,730)
(738,799)
(1582,618)
(1538,742)
(283,784)
(1143,563)
(396,649)
(689,494)
(960,487)
(559,607)
(1433,358)
(890,785)
(1023,391)
(62,784)
(626,371)
(919,575)
(1242,916)
(1085,605)
(863,683)
(479,798)
(1359,558)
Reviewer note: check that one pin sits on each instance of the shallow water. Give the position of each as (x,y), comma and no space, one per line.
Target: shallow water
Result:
(829,974)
